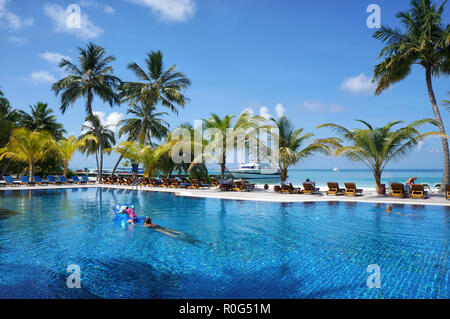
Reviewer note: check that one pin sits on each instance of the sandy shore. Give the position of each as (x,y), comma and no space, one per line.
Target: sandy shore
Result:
(369,195)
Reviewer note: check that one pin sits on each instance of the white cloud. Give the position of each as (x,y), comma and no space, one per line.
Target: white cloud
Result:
(112,120)
(280,110)
(42,76)
(170,10)
(319,107)
(248,110)
(54,57)
(97,5)
(11,20)
(360,84)
(264,112)
(60,16)
(17,40)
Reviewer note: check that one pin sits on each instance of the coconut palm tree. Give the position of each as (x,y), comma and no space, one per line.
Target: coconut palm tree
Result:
(218,149)
(67,147)
(28,146)
(144,126)
(107,139)
(157,86)
(293,146)
(41,118)
(425,42)
(93,76)
(377,147)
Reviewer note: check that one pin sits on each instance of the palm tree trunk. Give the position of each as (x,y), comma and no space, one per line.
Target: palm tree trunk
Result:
(283,175)
(117,164)
(96,159)
(5,169)
(437,114)
(377,177)
(222,170)
(31,169)
(65,168)
(101,163)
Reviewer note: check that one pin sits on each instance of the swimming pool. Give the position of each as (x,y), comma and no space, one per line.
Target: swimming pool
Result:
(232,249)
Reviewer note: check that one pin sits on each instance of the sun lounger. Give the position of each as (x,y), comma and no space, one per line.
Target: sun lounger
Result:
(10,182)
(51,180)
(85,178)
(76,180)
(64,180)
(418,191)
(174,183)
(38,180)
(226,185)
(398,190)
(351,190)
(165,182)
(309,188)
(289,189)
(214,182)
(205,182)
(447,191)
(333,189)
(25,181)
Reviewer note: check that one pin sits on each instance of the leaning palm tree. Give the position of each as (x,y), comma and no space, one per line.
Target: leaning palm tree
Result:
(28,146)
(291,147)
(425,42)
(376,147)
(9,119)
(216,148)
(157,86)
(66,148)
(105,140)
(93,76)
(41,118)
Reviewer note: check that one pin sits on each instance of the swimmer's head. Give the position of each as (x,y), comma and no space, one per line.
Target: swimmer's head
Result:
(388,209)
(148,221)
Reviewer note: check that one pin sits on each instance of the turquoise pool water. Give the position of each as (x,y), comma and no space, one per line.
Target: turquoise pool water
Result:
(231,249)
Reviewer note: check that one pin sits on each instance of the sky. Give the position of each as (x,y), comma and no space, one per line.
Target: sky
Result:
(309,60)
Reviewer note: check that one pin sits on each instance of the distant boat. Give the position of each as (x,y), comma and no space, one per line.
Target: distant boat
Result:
(335,169)
(255,170)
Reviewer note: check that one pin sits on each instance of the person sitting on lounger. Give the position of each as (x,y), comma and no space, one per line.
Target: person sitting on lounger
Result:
(409,182)
(309,181)
(149,224)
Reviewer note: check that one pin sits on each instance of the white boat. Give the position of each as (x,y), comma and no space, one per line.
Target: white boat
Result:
(255,170)
(335,169)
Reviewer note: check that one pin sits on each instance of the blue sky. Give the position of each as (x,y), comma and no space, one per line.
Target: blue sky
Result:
(311,60)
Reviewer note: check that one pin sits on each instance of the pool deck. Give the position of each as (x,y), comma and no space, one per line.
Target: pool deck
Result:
(259,194)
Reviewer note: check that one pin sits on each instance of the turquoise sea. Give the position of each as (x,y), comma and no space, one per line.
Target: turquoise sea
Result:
(362,177)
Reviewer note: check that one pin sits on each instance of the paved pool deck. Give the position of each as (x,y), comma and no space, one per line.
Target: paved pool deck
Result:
(259,194)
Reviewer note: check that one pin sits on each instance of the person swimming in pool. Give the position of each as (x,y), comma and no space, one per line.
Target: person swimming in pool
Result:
(148,223)
(388,211)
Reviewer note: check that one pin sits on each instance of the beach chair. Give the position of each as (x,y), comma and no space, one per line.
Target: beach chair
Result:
(174,183)
(205,182)
(333,189)
(25,181)
(351,190)
(289,189)
(214,182)
(238,186)
(310,189)
(184,183)
(52,181)
(10,182)
(152,182)
(85,178)
(64,180)
(165,182)
(76,180)
(447,191)
(418,191)
(38,180)
(398,190)
(226,185)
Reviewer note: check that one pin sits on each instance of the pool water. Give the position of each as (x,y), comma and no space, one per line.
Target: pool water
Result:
(231,249)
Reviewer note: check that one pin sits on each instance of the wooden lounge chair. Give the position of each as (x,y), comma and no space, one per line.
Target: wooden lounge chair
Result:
(152,182)
(333,189)
(289,189)
(174,183)
(226,185)
(85,178)
(310,189)
(25,181)
(239,186)
(397,190)
(214,182)
(76,180)
(351,190)
(418,191)
(64,180)
(165,182)
(38,180)
(10,182)
(51,180)
(447,191)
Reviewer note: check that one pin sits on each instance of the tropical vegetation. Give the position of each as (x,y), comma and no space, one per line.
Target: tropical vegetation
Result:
(425,41)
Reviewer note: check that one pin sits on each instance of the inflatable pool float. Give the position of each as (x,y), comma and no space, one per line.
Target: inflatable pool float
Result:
(123,217)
